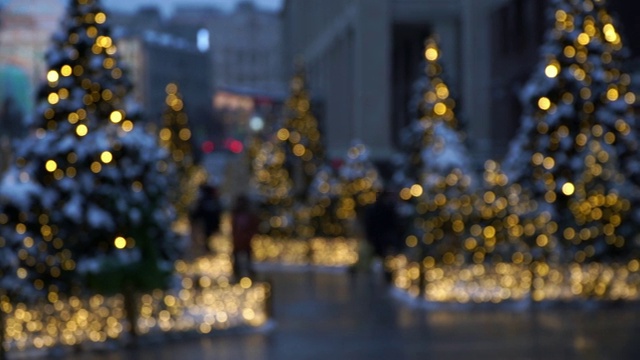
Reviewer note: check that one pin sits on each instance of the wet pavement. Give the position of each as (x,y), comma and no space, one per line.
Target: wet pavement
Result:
(336,315)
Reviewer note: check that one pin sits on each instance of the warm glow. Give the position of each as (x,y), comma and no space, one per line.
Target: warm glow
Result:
(127,125)
(544,103)
(53,76)
(116,117)
(612,94)
(51,166)
(120,242)
(82,130)
(100,18)
(66,70)
(106,157)
(568,189)
(440,109)
(431,54)
(583,39)
(551,71)
(416,190)
(53,98)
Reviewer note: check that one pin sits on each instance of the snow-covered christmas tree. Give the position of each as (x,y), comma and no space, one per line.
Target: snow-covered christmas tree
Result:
(323,201)
(577,148)
(89,186)
(436,176)
(359,182)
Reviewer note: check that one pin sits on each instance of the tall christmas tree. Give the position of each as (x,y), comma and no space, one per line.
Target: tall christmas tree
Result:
(175,136)
(305,152)
(436,176)
(89,186)
(287,164)
(577,147)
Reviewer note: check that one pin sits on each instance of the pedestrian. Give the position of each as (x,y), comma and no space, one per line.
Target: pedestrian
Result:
(244,225)
(382,227)
(205,218)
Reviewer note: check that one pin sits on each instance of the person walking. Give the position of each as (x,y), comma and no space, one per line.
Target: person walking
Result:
(205,218)
(244,225)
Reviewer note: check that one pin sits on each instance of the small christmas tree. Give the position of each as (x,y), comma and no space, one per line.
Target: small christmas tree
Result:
(323,202)
(274,189)
(359,182)
(577,147)
(89,187)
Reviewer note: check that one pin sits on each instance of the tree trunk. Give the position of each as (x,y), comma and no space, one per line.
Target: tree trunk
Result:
(131,311)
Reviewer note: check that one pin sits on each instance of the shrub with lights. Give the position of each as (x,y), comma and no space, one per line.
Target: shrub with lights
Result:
(89,185)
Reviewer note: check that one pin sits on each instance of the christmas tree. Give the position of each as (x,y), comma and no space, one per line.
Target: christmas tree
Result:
(436,176)
(274,188)
(175,136)
(287,164)
(305,152)
(359,182)
(323,200)
(576,150)
(89,186)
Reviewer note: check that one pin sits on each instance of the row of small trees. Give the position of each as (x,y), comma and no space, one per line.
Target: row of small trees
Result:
(302,194)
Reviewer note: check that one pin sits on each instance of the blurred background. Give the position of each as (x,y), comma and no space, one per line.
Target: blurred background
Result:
(234,59)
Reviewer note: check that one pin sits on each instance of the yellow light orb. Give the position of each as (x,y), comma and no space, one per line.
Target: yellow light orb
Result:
(610,33)
(544,103)
(53,98)
(416,190)
(51,166)
(584,39)
(283,134)
(120,242)
(116,117)
(66,70)
(127,125)
(53,76)
(568,188)
(440,109)
(100,18)
(431,54)
(82,130)
(165,134)
(185,134)
(551,71)
(106,157)
(612,94)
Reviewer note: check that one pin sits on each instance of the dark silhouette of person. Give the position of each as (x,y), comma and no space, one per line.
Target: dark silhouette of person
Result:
(206,215)
(382,225)
(244,225)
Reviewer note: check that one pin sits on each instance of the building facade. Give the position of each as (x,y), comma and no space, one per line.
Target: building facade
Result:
(363,57)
